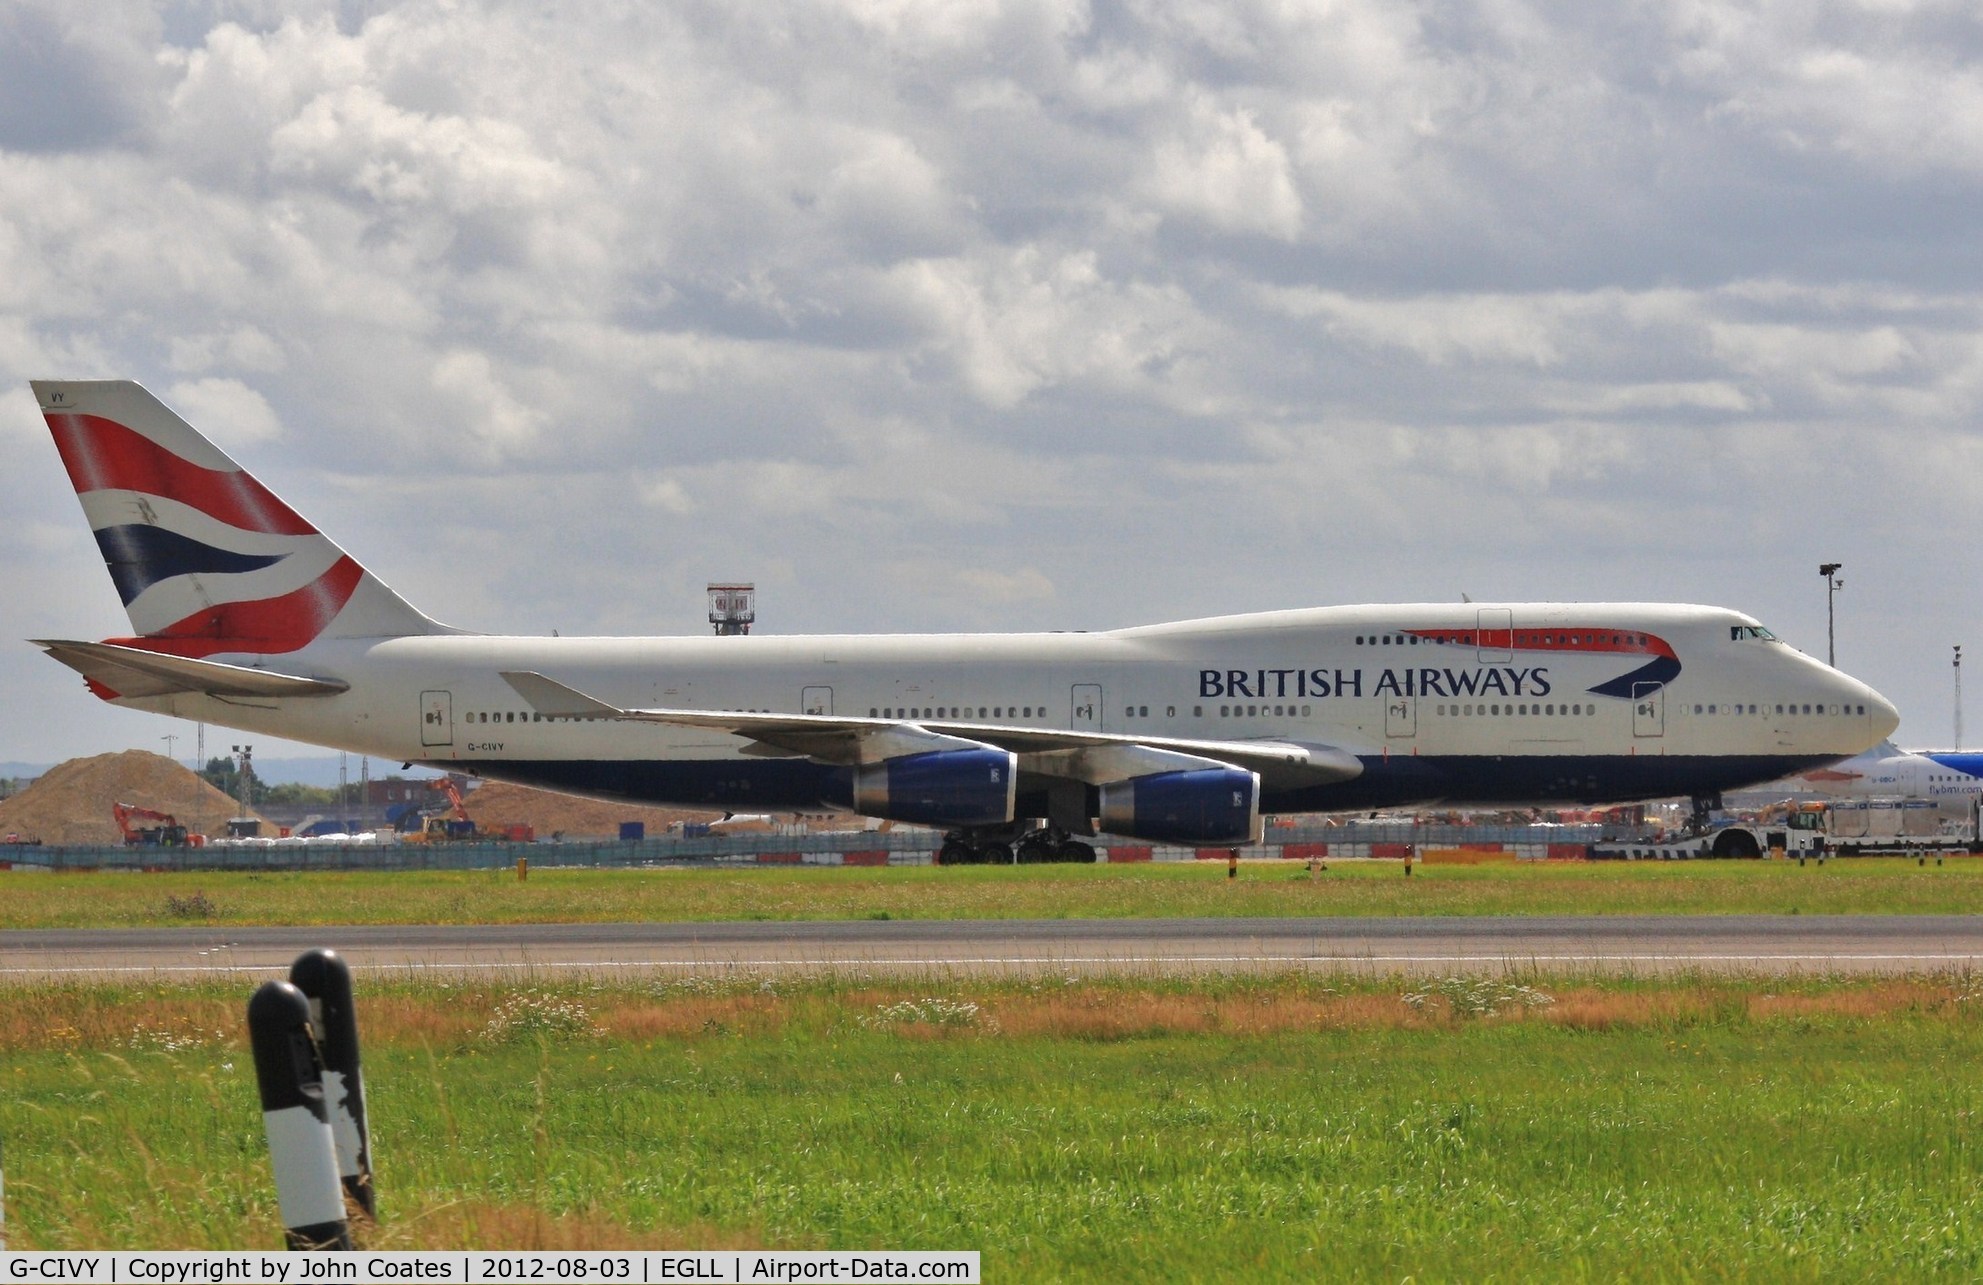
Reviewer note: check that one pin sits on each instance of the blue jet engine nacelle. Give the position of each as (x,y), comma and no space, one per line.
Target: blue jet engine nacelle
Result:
(942,787)
(1209,805)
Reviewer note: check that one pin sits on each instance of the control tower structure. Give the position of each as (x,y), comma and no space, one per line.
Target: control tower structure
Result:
(732,608)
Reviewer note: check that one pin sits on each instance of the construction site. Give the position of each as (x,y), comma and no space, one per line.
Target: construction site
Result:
(139,810)
(142,799)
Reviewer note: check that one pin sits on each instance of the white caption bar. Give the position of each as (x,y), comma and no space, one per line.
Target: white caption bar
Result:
(460,1267)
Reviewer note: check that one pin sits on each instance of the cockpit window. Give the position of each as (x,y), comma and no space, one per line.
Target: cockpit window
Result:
(1741,633)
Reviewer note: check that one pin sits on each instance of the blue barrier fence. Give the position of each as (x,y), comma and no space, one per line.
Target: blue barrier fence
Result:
(896,847)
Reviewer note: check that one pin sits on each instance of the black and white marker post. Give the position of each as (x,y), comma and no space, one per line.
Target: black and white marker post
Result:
(299,1131)
(325,980)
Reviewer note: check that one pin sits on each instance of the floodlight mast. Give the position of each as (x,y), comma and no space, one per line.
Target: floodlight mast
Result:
(1829,570)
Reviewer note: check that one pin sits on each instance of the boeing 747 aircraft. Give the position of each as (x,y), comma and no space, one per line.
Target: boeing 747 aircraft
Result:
(243,614)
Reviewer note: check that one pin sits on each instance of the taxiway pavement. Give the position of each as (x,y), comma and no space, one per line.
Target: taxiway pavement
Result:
(1811,944)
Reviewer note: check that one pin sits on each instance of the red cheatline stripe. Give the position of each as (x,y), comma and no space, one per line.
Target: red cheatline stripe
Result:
(102,455)
(1565,638)
(263,627)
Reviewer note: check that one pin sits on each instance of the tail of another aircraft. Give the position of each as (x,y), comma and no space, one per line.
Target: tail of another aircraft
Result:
(207,560)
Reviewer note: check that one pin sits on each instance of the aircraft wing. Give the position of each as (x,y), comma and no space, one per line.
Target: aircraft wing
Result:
(834,739)
(131,671)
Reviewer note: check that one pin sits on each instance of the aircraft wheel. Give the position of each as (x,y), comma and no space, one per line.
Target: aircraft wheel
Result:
(1075,850)
(955,852)
(1735,843)
(995,853)
(1037,847)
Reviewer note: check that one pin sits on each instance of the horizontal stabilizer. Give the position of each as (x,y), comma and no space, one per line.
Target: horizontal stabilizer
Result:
(129,671)
(832,738)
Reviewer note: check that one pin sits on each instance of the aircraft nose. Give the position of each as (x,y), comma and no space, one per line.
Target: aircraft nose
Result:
(1881,716)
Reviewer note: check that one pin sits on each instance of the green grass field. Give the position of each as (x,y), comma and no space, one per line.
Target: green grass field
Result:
(1255,1128)
(1845,886)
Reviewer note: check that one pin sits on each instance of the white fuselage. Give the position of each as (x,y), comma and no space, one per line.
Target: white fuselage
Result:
(1461,703)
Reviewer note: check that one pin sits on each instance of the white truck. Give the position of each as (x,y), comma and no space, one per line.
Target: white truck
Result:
(1842,826)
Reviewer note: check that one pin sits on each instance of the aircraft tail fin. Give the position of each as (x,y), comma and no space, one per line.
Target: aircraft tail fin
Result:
(206,559)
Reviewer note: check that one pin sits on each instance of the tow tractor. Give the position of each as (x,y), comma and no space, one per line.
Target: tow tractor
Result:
(1843,826)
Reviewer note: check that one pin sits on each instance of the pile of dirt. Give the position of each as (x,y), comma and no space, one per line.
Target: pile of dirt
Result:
(497,805)
(71,803)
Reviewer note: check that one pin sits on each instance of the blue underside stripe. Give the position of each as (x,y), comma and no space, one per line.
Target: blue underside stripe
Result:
(1401,781)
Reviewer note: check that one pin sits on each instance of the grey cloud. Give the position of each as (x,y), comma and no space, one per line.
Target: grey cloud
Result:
(75,79)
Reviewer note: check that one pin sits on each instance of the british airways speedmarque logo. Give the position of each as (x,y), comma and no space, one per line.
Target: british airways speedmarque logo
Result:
(1661,666)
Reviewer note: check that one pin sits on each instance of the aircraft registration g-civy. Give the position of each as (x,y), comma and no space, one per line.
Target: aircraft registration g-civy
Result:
(243,614)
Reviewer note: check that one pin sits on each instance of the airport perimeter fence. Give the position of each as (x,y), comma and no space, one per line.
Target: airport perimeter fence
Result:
(901,847)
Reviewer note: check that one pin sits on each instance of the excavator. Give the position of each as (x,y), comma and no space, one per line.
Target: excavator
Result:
(440,827)
(144,827)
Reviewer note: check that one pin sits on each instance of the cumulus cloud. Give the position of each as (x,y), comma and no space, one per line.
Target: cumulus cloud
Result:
(227,410)
(1032,313)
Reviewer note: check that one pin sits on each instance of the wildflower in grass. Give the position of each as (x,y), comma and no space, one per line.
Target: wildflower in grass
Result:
(924,1012)
(533,1013)
(146,1038)
(1476,996)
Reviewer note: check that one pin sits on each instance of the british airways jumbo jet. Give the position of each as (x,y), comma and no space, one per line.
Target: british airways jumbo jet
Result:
(244,615)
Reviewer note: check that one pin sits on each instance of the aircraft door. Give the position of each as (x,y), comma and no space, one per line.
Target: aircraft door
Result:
(1497,635)
(1648,709)
(1401,716)
(1086,708)
(437,718)
(816,700)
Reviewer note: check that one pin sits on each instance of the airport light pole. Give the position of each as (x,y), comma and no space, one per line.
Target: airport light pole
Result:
(1958,695)
(1829,570)
(245,758)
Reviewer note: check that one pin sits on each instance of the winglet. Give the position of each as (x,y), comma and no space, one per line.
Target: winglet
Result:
(555,700)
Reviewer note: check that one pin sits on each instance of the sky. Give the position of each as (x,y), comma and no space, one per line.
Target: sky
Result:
(944,316)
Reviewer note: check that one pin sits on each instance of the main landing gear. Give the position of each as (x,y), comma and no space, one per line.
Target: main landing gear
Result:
(1006,845)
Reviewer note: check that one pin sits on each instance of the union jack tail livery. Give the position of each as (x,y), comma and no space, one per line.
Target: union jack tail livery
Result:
(206,559)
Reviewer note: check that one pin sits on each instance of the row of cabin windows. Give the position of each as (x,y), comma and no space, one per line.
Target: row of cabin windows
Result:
(1739,708)
(958,711)
(511,716)
(1225,711)
(1547,711)
(1491,638)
